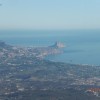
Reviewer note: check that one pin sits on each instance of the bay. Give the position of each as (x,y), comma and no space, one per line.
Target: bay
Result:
(82,46)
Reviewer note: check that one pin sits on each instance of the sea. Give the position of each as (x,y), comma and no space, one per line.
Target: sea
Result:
(82,46)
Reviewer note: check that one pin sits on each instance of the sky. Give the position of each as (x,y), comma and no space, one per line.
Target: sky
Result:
(49,14)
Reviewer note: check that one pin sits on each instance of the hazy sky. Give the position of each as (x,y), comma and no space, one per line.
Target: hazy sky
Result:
(50,14)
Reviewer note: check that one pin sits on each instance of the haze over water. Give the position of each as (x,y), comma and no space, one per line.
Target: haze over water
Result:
(82,46)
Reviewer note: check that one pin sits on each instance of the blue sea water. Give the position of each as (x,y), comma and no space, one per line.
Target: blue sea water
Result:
(82,46)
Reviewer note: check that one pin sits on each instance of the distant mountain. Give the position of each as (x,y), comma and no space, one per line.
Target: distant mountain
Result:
(3,45)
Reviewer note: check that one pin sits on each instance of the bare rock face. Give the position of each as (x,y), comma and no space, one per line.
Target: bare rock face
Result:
(58,45)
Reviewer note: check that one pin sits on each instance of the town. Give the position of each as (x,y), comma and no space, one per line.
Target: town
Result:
(25,74)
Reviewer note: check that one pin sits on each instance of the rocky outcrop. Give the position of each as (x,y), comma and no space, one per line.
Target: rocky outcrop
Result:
(58,45)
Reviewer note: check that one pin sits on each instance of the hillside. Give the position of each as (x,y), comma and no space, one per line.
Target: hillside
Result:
(24,76)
